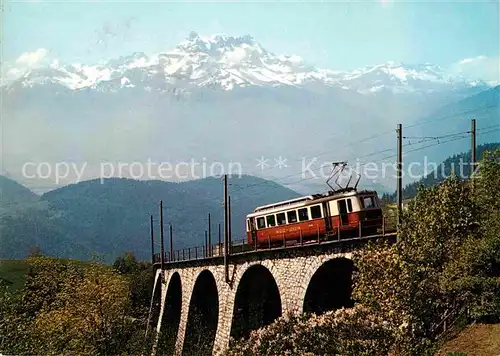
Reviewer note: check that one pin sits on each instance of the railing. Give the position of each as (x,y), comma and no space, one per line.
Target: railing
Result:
(305,237)
(456,311)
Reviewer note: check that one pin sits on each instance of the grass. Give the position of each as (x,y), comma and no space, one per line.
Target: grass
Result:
(475,340)
(13,272)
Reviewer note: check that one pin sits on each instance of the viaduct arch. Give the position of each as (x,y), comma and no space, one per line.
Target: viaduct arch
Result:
(209,312)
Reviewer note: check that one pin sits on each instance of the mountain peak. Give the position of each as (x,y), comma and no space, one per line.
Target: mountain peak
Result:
(193,36)
(216,43)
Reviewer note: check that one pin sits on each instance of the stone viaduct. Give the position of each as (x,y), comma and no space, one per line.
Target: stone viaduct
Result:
(195,311)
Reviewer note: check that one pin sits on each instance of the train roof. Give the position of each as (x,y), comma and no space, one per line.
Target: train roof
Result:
(301,201)
(284,203)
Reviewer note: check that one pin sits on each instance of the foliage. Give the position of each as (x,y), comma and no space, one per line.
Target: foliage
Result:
(140,276)
(14,326)
(480,267)
(87,315)
(72,307)
(354,331)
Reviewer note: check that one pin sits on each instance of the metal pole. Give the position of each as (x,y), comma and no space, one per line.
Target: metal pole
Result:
(219,242)
(230,237)
(171,243)
(161,236)
(206,244)
(473,147)
(152,240)
(209,236)
(226,266)
(400,173)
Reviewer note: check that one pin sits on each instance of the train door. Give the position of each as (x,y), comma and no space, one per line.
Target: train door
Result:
(253,232)
(344,218)
(327,217)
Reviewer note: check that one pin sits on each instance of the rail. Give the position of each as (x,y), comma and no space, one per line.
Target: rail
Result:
(239,246)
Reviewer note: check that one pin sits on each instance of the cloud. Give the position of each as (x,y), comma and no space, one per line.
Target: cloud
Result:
(479,67)
(472,60)
(385,3)
(9,73)
(32,59)
(28,60)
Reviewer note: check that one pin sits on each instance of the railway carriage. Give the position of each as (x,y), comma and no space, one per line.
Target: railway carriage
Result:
(337,214)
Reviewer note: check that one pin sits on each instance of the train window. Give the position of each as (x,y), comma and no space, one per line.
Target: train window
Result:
(303,215)
(281,218)
(271,221)
(292,216)
(316,212)
(248,224)
(349,205)
(261,223)
(368,202)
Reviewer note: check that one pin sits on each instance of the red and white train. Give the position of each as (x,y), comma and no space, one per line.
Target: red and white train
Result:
(348,211)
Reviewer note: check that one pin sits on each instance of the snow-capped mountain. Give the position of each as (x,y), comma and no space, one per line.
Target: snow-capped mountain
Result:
(404,78)
(225,62)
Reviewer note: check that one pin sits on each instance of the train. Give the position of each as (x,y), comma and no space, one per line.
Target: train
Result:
(340,213)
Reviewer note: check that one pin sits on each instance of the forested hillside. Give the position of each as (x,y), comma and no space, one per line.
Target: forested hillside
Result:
(112,217)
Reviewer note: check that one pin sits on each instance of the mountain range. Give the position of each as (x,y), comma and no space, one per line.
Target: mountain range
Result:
(113,216)
(227,62)
(219,98)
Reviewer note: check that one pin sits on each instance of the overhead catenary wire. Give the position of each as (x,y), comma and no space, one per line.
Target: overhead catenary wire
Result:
(409,126)
(452,116)
(376,161)
(357,158)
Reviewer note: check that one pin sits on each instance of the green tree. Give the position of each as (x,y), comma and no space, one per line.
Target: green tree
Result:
(72,307)
(88,316)
(478,271)
(126,263)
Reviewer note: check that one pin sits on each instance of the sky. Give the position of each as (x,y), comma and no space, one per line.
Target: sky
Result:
(335,35)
